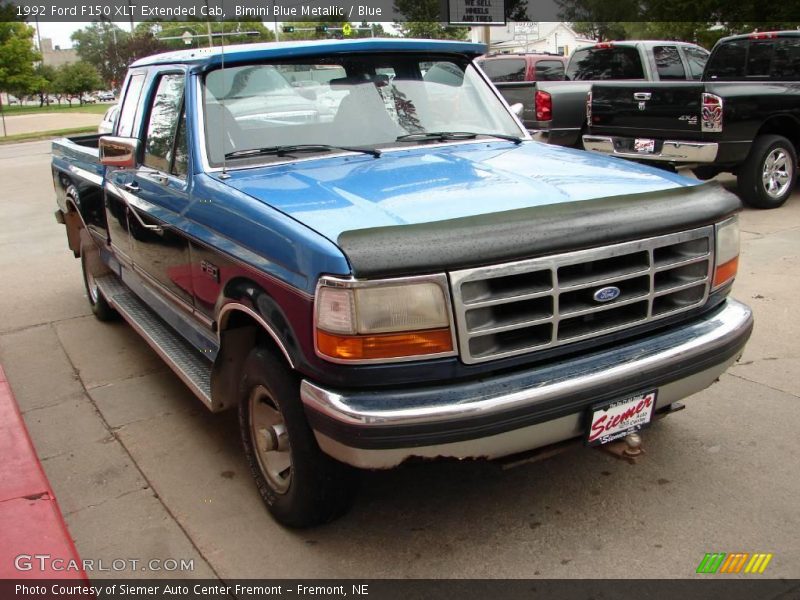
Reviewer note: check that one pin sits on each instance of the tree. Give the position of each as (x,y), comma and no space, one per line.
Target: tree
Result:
(17,55)
(45,83)
(138,46)
(424,21)
(76,79)
(100,45)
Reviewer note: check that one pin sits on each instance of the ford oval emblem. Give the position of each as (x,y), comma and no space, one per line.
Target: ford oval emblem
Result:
(607,294)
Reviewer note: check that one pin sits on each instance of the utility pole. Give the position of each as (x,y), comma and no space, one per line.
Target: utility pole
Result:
(208,27)
(39,38)
(275,20)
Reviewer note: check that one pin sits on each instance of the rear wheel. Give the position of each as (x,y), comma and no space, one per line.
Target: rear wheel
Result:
(767,177)
(91,265)
(300,485)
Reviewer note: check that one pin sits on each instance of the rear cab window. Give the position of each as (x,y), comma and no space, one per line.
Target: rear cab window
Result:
(130,103)
(500,70)
(759,58)
(549,70)
(668,63)
(599,63)
(696,59)
(786,61)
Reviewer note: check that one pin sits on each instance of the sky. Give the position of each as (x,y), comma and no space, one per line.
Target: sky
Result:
(60,32)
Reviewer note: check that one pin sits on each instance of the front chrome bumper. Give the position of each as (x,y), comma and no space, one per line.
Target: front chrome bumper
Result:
(671,150)
(525,410)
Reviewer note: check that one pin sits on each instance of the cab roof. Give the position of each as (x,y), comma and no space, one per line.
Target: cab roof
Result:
(208,57)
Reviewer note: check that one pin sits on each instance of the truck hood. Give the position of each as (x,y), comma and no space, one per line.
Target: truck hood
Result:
(427,184)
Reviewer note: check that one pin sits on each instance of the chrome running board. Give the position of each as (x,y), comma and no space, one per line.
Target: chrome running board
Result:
(191,366)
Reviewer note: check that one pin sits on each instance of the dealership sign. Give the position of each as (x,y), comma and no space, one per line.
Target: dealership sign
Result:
(477,12)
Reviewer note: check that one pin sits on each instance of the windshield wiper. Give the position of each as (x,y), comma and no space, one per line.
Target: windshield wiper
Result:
(292,149)
(445,136)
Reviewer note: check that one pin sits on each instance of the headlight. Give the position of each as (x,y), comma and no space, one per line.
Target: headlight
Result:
(727,251)
(392,319)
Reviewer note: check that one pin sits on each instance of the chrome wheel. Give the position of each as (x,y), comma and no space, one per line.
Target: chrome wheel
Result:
(270,439)
(91,287)
(777,173)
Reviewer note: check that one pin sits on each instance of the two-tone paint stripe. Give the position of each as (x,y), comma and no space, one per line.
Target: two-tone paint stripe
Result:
(735,562)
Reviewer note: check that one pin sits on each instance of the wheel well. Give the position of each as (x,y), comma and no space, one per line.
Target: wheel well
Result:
(239,333)
(783,126)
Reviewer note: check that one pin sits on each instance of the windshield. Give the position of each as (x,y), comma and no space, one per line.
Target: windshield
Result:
(350,101)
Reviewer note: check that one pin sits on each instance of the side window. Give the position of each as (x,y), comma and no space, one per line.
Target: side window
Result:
(727,62)
(759,58)
(504,69)
(549,70)
(668,62)
(697,60)
(181,163)
(786,63)
(163,122)
(129,105)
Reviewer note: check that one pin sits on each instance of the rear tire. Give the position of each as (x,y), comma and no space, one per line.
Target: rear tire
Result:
(766,179)
(100,306)
(301,486)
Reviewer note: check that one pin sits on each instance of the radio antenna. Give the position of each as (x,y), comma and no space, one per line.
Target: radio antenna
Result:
(224,174)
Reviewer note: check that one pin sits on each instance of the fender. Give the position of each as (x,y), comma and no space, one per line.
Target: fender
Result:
(243,299)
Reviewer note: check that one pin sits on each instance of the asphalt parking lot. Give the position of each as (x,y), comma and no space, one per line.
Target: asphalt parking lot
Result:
(142,471)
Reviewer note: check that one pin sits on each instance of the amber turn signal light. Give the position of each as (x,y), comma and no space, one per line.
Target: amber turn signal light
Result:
(726,271)
(390,345)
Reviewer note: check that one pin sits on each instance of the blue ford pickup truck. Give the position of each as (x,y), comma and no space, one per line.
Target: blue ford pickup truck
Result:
(358,246)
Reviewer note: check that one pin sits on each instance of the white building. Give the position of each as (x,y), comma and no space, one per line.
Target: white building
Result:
(557,38)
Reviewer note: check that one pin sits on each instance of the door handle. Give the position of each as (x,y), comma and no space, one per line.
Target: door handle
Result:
(642,96)
(134,187)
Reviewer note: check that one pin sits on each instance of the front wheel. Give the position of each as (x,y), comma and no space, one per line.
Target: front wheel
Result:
(300,485)
(766,179)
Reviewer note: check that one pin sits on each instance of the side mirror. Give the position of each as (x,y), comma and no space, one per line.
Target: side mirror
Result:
(118,151)
(517,108)
(307,93)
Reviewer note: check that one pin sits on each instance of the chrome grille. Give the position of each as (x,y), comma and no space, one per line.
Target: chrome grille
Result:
(515,308)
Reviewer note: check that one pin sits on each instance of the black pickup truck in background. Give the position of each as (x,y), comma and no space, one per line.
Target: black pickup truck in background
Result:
(554,111)
(743,118)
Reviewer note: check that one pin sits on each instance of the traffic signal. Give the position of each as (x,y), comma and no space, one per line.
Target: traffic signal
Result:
(322,28)
(288,29)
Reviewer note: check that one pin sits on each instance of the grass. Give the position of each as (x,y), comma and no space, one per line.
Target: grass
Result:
(44,135)
(27,109)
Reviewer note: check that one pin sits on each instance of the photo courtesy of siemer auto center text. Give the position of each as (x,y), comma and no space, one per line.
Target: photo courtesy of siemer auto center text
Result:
(399,299)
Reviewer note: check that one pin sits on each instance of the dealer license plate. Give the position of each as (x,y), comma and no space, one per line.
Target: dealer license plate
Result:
(644,146)
(616,419)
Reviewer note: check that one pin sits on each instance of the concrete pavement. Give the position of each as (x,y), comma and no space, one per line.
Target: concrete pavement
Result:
(143,471)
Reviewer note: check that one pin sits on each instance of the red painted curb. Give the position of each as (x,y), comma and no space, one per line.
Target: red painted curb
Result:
(35,543)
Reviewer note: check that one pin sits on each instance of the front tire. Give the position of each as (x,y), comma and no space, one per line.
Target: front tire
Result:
(767,177)
(704,173)
(301,486)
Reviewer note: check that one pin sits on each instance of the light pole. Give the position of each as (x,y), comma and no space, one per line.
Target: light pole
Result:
(275,20)
(208,27)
